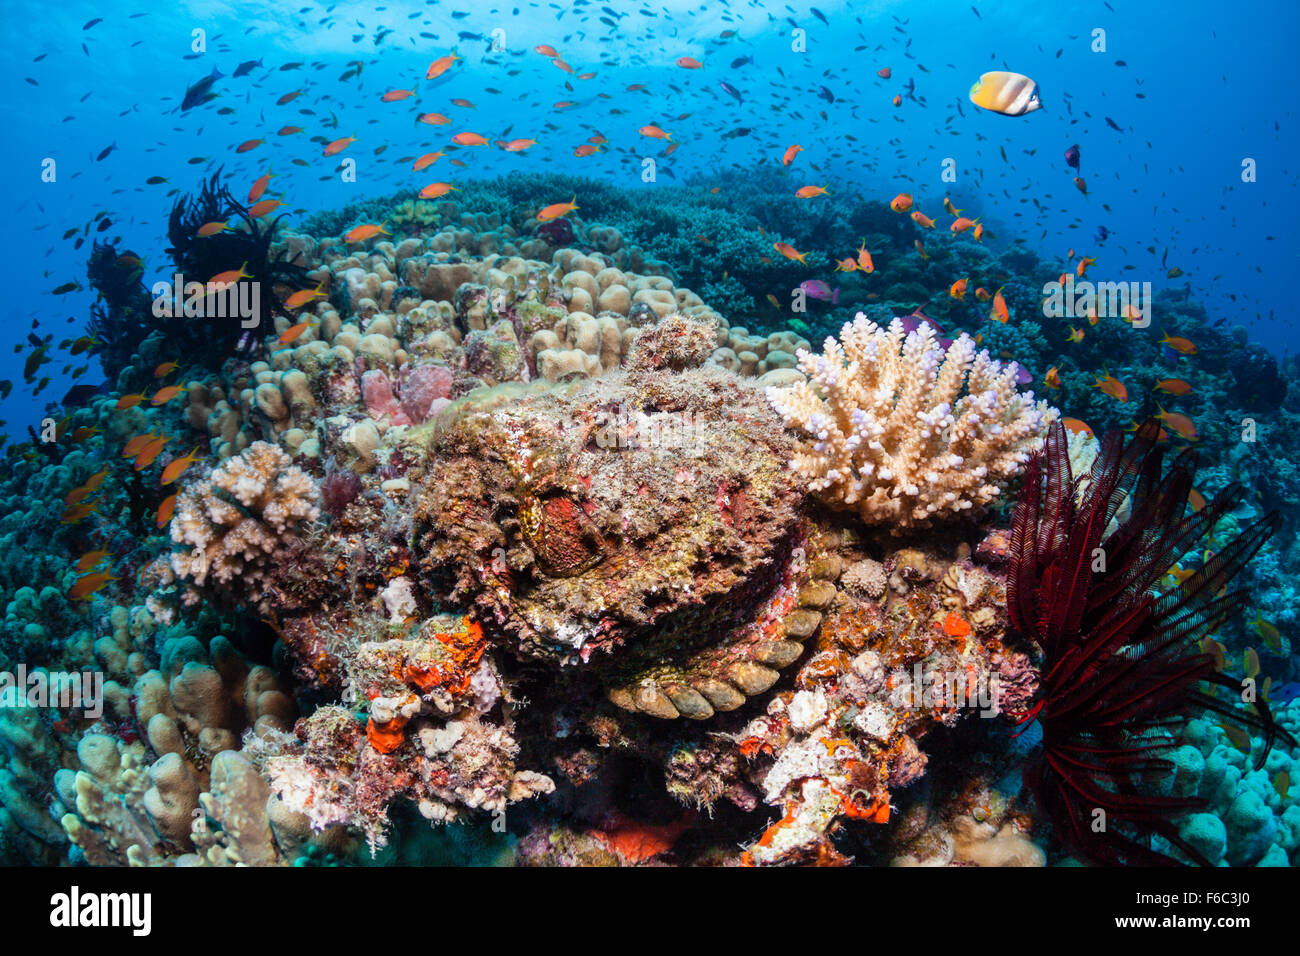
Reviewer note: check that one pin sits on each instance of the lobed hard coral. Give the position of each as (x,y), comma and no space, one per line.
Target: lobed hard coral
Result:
(890,433)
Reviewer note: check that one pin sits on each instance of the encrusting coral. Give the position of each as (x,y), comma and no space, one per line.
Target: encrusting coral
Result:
(894,438)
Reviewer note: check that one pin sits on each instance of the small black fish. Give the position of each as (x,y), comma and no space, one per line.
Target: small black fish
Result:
(105,151)
(80,394)
(825,94)
(740,61)
(93,22)
(246,67)
(200,92)
(1113,125)
(819,15)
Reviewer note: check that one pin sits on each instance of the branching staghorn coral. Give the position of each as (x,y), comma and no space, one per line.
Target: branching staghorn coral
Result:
(894,437)
(238,520)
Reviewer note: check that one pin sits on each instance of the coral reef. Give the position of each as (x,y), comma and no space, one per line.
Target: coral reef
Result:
(555,543)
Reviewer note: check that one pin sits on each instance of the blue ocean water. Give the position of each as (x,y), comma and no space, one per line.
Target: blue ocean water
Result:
(1197,96)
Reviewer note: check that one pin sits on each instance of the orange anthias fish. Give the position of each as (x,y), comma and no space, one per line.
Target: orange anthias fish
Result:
(807,192)
(165,511)
(884,73)
(1000,312)
(864,259)
(85,587)
(1076,335)
(150,452)
(557,210)
(427,160)
(982,294)
(586,149)
(920,248)
(1172,386)
(1179,344)
(1179,423)
(129,401)
(75,513)
(901,203)
(1112,386)
(846,265)
(89,560)
(339,145)
(165,395)
(921,219)
(434,190)
(1084,263)
(790,154)
(559,64)
(789,251)
(229,277)
(1053,378)
(248,144)
(211,229)
(392,96)
(689,63)
(518,145)
(469,139)
(434,119)
(177,467)
(136,444)
(303,296)
(94,481)
(898,99)
(654,132)
(961,224)
(77,495)
(259,187)
(441,65)
(293,332)
(1075,425)
(264,208)
(363,232)
(545,50)
(978,234)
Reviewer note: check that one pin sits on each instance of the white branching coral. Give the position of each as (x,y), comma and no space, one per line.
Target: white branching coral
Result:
(900,431)
(239,521)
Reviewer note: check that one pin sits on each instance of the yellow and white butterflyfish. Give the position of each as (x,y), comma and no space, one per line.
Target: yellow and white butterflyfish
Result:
(1012,94)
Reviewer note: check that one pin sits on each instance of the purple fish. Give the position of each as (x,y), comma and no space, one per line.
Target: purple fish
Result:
(1022,374)
(913,322)
(820,290)
(1072,156)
